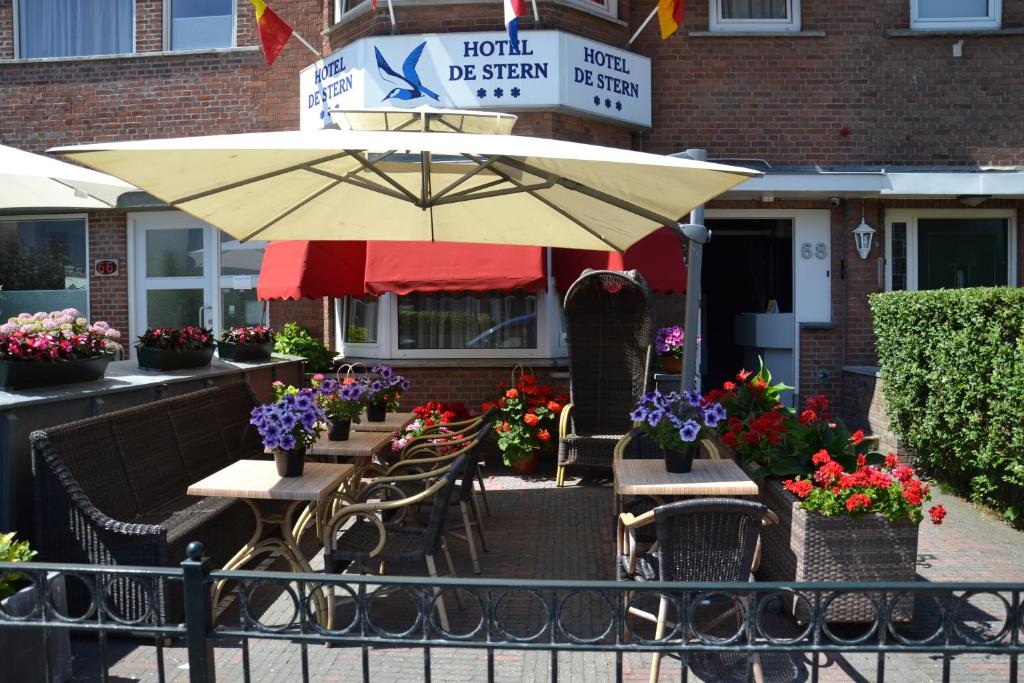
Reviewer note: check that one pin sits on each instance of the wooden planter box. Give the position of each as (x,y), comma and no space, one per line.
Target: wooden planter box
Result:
(31,654)
(807,546)
(26,375)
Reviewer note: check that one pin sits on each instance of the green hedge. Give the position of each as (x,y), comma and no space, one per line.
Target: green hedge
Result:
(953,370)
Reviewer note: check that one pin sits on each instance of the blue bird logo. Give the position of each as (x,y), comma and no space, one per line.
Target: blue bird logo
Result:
(414,87)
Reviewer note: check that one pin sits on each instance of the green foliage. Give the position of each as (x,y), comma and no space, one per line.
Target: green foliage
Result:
(12,551)
(296,341)
(953,370)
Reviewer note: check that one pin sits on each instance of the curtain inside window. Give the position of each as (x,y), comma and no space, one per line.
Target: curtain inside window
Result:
(755,9)
(467,321)
(952,9)
(75,28)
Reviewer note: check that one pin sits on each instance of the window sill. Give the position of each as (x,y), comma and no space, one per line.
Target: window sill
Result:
(135,55)
(756,34)
(460,362)
(946,33)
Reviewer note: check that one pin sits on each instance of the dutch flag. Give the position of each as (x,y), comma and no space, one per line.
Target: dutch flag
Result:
(513,10)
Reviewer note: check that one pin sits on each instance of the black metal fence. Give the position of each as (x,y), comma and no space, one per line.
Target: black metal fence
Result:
(715,631)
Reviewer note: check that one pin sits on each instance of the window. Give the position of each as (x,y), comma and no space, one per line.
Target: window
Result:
(955,14)
(949,249)
(75,28)
(609,7)
(239,271)
(343,7)
(198,24)
(361,320)
(755,15)
(467,321)
(43,265)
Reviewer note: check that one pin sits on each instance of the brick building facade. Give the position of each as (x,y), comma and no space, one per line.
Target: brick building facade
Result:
(855,111)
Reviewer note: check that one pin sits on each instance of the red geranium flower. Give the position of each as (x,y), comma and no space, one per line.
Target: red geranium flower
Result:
(857,436)
(512,393)
(938,513)
(544,435)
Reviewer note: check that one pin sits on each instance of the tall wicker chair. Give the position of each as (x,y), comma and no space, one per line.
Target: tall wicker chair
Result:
(609,319)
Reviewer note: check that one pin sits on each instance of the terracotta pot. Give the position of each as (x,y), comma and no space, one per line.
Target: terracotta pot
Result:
(339,430)
(680,462)
(528,465)
(376,411)
(290,463)
(671,364)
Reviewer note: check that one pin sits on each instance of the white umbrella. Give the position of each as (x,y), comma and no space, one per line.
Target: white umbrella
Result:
(388,185)
(33,181)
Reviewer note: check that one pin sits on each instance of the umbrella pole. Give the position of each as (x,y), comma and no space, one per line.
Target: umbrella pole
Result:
(698,236)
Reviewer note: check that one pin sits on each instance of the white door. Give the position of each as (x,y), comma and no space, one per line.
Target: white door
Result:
(187,272)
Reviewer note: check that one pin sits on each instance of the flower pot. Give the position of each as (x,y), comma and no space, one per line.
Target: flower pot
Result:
(290,463)
(376,411)
(671,364)
(34,652)
(528,465)
(244,352)
(339,430)
(681,461)
(169,359)
(27,375)
(808,546)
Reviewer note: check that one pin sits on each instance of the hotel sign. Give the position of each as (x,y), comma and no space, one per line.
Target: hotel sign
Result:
(546,70)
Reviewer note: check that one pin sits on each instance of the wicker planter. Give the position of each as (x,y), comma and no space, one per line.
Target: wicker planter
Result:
(807,546)
(168,359)
(23,375)
(32,653)
(244,352)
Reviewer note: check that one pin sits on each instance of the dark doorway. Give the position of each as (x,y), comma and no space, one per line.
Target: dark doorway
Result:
(747,264)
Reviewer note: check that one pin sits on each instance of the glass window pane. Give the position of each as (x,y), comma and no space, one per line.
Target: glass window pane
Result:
(755,9)
(241,308)
(197,24)
(361,327)
(952,9)
(899,257)
(173,307)
(467,321)
(955,253)
(174,253)
(75,28)
(42,266)
(237,258)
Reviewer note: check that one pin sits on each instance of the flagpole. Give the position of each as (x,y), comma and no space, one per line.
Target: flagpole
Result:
(306,43)
(391,13)
(643,25)
(536,15)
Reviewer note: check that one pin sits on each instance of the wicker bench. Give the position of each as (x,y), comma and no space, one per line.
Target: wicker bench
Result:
(111,490)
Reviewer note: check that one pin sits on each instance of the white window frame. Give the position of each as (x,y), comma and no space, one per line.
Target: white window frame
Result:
(84,217)
(994,19)
(342,9)
(167,28)
(789,25)
(608,8)
(911,216)
(17,36)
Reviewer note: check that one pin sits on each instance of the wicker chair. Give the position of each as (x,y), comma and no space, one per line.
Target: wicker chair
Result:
(610,324)
(698,540)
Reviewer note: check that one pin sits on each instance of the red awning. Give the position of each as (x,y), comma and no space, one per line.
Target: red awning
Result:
(293,270)
(658,257)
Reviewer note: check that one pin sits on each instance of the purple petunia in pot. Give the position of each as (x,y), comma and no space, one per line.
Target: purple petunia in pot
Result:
(288,426)
(677,422)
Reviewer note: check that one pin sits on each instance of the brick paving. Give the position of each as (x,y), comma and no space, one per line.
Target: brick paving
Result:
(539,531)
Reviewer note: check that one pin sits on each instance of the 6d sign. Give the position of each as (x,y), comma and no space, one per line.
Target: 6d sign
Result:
(107,266)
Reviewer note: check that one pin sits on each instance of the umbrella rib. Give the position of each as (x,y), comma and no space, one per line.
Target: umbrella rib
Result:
(290,210)
(369,166)
(473,193)
(350,179)
(466,176)
(594,194)
(258,178)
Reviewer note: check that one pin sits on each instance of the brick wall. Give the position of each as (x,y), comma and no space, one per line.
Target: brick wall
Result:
(458,382)
(863,407)
(108,294)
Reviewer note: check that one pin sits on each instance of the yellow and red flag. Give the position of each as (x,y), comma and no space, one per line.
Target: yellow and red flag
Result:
(670,16)
(274,32)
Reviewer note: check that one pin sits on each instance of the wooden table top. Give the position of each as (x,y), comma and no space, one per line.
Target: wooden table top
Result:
(707,478)
(393,422)
(257,479)
(358,445)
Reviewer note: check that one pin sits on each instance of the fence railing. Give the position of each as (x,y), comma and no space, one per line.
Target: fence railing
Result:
(708,627)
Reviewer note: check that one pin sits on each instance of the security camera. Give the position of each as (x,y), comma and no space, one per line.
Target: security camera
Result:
(834,202)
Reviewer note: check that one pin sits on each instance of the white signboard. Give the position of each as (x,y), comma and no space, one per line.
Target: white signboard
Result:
(546,70)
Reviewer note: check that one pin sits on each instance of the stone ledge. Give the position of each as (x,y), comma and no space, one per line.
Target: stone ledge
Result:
(865,370)
(954,33)
(535,363)
(756,34)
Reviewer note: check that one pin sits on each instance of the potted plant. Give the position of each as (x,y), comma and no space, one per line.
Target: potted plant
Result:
(60,347)
(170,348)
(678,423)
(383,390)
(342,403)
(527,417)
(32,652)
(246,343)
(432,414)
(668,344)
(295,340)
(288,426)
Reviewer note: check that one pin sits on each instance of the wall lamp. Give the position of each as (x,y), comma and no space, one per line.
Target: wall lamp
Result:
(863,234)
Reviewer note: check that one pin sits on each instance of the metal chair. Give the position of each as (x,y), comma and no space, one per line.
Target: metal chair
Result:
(609,319)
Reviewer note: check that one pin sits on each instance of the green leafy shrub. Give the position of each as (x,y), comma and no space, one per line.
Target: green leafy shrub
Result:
(12,551)
(953,370)
(296,341)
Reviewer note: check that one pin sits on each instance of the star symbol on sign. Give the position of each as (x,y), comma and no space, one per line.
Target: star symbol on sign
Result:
(618,105)
(481,93)
(514,92)
(607,103)
(597,101)
(498,92)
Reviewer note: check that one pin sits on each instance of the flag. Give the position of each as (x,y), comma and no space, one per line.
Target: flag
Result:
(373,4)
(274,33)
(513,10)
(670,16)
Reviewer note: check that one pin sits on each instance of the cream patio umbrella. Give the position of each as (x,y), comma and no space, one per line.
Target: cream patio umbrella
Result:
(33,181)
(421,178)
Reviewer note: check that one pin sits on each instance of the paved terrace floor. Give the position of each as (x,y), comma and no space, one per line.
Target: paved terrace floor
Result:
(539,531)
